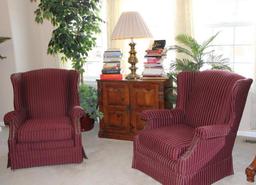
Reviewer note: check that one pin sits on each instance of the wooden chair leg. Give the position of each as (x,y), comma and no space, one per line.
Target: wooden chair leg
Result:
(251,171)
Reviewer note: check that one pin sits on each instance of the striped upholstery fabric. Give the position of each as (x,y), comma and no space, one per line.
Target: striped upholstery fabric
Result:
(192,144)
(45,129)
(210,109)
(45,123)
(171,142)
(34,95)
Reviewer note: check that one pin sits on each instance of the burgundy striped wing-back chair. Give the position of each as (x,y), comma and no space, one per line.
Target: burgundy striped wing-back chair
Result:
(192,144)
(44,127)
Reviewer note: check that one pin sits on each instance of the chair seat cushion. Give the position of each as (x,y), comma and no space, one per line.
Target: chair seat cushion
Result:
(47,129)
(171,141)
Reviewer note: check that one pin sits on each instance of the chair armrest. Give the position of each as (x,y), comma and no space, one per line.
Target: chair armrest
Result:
(200,152)
(207,142)
(14,117)
(212,131)
(77,112)
(163,117)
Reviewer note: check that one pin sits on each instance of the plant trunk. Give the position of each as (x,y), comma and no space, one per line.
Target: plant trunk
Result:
(81,78)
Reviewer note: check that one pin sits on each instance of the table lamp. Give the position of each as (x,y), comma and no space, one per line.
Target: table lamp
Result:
(131,26)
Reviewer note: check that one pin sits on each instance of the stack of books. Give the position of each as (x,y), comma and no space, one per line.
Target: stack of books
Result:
(153,66)
(111,65)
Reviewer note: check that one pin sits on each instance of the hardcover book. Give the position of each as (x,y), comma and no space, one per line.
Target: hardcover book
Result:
(153,72)
(110,71)
(111,77)
(158,44)
(113,65)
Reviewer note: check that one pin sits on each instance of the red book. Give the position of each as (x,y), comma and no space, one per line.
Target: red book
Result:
(153,60)
(111,76)
(156,51)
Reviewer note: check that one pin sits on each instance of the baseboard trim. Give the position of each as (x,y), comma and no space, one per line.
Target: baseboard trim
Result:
(249,133)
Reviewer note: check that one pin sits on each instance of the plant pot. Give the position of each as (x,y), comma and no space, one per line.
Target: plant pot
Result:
(86,123)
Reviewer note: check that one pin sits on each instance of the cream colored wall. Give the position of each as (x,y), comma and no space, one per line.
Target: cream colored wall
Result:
(7,66)
(30,38)
(27,50)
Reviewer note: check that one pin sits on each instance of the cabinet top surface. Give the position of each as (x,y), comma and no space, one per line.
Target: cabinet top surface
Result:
(139,80)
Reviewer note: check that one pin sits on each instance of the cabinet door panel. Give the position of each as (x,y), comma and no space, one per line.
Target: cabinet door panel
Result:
(115,94)
(116,119)
(137,123)
(144,96)
(122,103)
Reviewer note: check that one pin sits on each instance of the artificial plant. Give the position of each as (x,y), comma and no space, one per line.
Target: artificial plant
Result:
(89,101)
(194,56)
(77,23)
(2,39)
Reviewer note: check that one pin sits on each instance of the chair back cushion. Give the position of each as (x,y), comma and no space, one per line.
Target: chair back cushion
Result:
(209,101)
(46,92)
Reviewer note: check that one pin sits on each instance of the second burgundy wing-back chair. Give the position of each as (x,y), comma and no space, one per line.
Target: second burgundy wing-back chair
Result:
(44,127)
(192,144)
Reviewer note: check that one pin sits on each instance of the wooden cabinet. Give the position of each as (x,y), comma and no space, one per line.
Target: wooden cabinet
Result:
(122,101)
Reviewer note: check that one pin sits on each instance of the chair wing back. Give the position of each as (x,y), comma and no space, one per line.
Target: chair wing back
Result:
(45,92)
(239,96)
(207,97)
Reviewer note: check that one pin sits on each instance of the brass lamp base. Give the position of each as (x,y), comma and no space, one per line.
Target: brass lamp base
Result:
(133,61)
(132,76)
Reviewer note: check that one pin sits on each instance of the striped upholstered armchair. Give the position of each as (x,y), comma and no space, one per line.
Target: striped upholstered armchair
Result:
(192,144)
(44,126)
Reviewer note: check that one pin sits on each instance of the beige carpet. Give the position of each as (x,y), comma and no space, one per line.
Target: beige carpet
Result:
(109,163)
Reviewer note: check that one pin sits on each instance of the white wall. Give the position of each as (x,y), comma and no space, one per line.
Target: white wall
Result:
(27,50)
(30,39)
(7,66)
(248,119)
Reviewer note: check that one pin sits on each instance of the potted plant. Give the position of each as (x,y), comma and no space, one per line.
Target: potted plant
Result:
(2,39)
(76,25)
(89,101)
(194,57)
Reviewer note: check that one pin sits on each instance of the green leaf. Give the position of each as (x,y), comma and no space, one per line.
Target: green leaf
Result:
(89,101)
(185,51)
(195,57)
(187,40)
(207,42)
(76,24)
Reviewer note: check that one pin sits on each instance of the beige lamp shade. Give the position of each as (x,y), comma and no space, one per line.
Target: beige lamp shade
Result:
(129,26)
